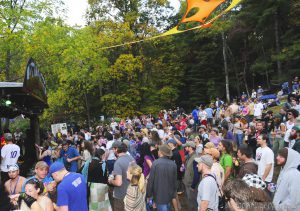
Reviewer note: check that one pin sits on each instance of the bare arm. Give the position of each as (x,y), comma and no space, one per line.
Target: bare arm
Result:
(267,171)
(74,158)
(49,206)
(149,163)
(6,186)
(177,141)
(63,208)
(117,181)
(44,154)
(203,205)
(36,207)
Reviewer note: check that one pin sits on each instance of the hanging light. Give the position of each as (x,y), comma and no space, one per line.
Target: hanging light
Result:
(7,101)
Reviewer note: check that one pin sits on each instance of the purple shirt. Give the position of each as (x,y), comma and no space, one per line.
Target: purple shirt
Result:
(215,140)
(146,169)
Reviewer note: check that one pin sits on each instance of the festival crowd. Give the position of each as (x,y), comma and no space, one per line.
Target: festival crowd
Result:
(241,156)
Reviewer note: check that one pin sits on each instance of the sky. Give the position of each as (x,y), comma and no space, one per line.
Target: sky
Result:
(77,8)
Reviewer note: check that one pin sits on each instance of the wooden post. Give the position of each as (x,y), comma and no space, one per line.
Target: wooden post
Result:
(35,129)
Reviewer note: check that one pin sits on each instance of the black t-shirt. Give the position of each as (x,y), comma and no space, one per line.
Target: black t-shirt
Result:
(177,158)
(96,173)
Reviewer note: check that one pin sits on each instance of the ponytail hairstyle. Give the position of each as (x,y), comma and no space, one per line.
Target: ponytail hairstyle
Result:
(138,178)
(37,184)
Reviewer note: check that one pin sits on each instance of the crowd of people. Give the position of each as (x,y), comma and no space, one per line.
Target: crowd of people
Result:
(241,156)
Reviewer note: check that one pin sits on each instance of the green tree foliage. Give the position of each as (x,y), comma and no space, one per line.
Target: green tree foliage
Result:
(85,80)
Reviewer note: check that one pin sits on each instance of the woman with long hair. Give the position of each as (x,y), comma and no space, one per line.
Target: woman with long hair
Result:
(136,192)
(34,189)
(226,159)
(95,173)
(155,138)
(88,151)
(214,136)
(146,159)
(95,169)
(46,153)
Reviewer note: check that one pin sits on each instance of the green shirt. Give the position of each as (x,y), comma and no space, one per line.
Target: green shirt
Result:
(226,161)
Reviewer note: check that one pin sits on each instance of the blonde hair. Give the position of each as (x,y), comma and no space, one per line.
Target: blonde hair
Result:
(41,164)
(137,177)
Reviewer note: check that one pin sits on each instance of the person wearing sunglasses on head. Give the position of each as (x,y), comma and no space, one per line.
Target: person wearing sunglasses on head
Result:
(292,114)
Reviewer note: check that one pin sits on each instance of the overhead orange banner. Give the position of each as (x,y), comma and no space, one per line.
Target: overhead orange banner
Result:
(202,10)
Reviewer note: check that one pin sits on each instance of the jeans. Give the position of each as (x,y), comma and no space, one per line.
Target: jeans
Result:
(191,198)
(110,165)
(163,207)
(118,205)
(239,139)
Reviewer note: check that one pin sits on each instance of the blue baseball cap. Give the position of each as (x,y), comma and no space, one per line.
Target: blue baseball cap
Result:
(56,166)
(172,141)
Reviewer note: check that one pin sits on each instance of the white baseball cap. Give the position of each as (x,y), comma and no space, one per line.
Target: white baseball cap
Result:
(14,167)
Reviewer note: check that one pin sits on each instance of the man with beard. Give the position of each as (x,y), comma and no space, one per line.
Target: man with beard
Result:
(15,183)
(191,176)
(119,180)
(264,159)
(287,194)
(208,189)
(292,114)
(295,136)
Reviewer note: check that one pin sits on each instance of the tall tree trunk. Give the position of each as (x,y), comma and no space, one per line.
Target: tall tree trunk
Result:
(226,68)
(235,69)
(266,71)
(245,68)
(276,29)
(87,109)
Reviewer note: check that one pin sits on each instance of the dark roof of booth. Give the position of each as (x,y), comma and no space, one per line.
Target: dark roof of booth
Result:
(27,98)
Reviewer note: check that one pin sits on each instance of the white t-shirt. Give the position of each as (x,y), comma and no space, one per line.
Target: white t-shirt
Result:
(289,125)
(10,154)
(87,136)
(161,133)
(265,156)
(202,115)
(258,108)
(113,125)
(111,154)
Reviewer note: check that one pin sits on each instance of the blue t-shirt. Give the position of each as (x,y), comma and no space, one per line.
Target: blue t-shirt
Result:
(70,153)
(195,114)
(72,192)
(209,112)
